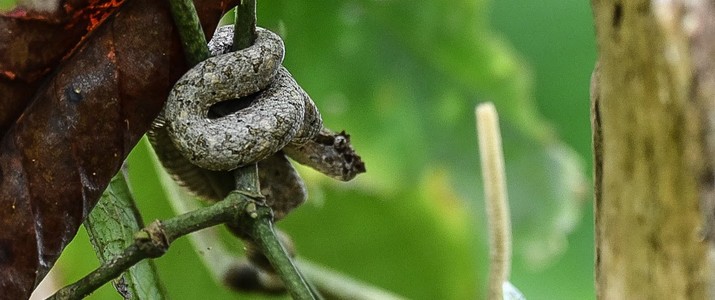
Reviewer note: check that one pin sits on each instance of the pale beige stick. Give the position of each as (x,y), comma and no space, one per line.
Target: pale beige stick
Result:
(497,206)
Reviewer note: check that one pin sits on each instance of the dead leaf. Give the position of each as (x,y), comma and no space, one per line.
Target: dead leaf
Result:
(58,154)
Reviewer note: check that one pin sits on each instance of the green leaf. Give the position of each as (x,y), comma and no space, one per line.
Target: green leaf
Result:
(111,226)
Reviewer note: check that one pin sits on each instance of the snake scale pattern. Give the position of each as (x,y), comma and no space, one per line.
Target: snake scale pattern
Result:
(244,107)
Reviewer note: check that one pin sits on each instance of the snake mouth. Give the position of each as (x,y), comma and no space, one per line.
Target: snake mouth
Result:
(230,106)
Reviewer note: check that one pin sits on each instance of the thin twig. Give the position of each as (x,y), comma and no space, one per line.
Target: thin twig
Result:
(244,30)
(190,32)
(266,239)
(259,229)
(246,179)
(497,206)
(154,240)
(99,277)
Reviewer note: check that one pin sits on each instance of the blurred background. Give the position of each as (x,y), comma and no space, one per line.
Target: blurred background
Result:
(403,77)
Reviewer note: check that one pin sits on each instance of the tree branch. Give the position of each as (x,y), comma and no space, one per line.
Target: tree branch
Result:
(266,239)
(244,31)
(259,230)
(189,27)
(154,240)
(654,149)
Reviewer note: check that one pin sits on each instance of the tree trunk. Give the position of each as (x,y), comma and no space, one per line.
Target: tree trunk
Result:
(653,114)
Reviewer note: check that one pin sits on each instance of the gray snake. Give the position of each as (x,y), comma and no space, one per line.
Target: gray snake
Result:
(276,117)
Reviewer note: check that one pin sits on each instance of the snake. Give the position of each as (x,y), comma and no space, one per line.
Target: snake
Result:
(243,107)
(276,117)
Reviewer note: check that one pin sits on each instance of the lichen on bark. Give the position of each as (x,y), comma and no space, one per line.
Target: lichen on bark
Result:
(653,152)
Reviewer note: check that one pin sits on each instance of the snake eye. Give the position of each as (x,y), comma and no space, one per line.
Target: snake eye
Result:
(224,108)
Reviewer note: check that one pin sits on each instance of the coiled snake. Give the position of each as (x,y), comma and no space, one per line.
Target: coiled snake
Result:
(199,144)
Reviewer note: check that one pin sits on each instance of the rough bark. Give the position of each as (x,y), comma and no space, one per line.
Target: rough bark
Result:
(652,114)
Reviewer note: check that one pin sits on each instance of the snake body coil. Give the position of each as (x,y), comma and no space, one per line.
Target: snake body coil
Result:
(274,119)
(200,151)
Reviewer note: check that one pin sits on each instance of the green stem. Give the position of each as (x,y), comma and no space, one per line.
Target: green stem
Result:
(154,240)
(258,229)
(265,238)
(246,178)
(108,271)
(190,32)
(244,30)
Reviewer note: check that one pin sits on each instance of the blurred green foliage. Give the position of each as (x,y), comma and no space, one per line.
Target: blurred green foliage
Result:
(403,78)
